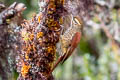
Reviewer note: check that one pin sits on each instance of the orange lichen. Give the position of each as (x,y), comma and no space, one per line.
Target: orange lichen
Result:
(39,17)
(39,44)
(31,36)
(56,28)
(34,47)
(28,51)
(26,56)
(33,16)
(52,6)
(50,49)
(40,41)
(40,34)
(48,22)
(28,48)
(25,70)
(63,1)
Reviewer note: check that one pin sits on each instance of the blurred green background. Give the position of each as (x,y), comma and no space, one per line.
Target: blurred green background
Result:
(96,57)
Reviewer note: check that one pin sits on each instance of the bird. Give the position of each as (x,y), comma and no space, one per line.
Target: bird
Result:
(69,40)
(71,37)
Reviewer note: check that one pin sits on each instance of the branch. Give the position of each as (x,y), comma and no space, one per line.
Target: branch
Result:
(115,46)
(11,12)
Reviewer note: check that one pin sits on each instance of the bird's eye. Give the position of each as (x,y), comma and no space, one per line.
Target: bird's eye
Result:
(77,20)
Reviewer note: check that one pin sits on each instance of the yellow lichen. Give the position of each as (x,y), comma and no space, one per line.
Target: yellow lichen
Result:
(8,21)
(54,24)
(61,20)
(25,35)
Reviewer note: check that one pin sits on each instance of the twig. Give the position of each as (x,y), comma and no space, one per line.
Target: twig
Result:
(115,46)
(11,11)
